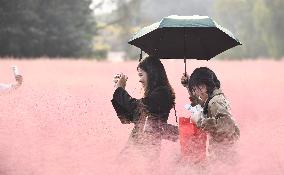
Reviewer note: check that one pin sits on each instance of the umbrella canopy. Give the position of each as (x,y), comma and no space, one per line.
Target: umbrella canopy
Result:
(184,37)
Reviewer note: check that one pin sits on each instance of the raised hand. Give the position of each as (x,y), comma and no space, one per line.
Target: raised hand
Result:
(184,80)
(120,80)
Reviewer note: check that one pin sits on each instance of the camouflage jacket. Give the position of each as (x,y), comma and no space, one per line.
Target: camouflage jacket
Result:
(218,123)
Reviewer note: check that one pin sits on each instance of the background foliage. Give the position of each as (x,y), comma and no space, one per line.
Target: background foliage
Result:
(84,28)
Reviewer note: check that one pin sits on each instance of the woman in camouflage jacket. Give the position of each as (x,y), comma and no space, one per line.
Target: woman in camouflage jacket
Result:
(215,118)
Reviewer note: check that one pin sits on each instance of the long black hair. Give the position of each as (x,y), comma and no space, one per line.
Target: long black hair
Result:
(156,76)
(204,76)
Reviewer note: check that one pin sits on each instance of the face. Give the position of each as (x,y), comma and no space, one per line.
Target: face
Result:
(143,77)
(201,92)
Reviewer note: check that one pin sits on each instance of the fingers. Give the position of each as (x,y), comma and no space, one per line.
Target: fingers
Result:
(124,77)
(120,79)
(19,78)
(184,76)
(120,76)
(116,77)
(115,80)
(184,80)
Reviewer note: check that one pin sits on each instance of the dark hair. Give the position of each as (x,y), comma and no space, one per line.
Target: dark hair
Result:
(156,76)
(204,76)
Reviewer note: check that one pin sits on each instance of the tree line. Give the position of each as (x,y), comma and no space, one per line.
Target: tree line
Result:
(259,24)
(61,28)
(53,28)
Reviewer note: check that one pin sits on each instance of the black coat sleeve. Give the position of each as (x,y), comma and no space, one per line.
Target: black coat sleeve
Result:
(123,104)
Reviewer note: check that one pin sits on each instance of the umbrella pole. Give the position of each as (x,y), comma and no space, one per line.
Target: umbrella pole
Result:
(141,56)
(184,60)
(184,50)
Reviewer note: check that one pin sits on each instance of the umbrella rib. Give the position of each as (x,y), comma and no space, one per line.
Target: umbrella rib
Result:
(159,41)
(205,49)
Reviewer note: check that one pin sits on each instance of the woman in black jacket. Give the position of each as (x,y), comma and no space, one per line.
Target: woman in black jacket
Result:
(150,113)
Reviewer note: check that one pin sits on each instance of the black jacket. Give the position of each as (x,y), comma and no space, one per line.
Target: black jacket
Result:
(149,114)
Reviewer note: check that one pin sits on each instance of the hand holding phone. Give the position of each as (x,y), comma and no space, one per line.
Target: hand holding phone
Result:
(18,76)
(15,70)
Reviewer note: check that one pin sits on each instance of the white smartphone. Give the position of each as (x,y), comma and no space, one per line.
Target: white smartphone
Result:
(15,70)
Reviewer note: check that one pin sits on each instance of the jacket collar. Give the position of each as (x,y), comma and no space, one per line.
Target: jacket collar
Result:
(216,92)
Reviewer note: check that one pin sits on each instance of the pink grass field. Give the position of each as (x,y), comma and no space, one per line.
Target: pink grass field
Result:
(61,120)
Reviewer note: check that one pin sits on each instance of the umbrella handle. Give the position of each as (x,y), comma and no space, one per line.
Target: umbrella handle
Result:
(141,56)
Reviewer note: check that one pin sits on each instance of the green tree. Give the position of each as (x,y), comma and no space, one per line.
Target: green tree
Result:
(269,17)
(54,28)
(237,16)
(17,19)
(128,13)
(257,23)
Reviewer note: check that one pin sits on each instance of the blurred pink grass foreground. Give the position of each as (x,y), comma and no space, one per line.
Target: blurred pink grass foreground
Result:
(61,120)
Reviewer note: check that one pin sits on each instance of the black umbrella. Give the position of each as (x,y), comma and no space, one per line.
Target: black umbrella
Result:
(184,37)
